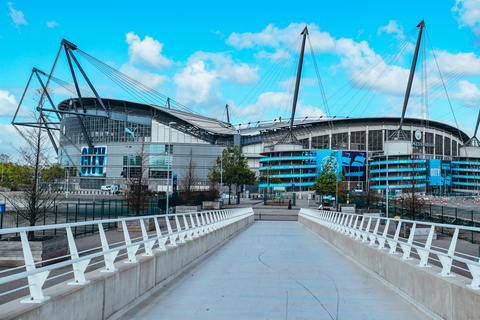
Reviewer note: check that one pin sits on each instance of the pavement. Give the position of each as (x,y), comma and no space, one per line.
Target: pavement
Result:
(300,253)
(275,270)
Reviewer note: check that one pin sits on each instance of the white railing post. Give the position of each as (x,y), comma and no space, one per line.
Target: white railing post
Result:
(131,250)
(78,267)
(373,236)
(161,239)
(393,242)
(108,257)
(447,260)
(425,253)
(147,245)
(36,281)
(407,247)
(382,240)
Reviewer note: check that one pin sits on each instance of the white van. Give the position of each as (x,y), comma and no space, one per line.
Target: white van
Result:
(106,188)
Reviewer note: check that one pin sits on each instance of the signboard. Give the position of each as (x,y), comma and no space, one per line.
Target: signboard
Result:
(353,165)
(93,164)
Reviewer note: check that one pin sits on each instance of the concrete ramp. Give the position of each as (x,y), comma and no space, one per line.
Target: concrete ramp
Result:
(274,270)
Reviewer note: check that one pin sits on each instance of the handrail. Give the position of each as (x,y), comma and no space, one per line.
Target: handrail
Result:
(349,224)
(186,227)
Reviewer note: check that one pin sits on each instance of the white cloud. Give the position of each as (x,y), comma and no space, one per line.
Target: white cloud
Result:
(467,91)
(274,37)
(200,80)
(391,28)
(52,24)
(147,78)
(467,13)
(147,51)
(17,16)
(9,137)
(196,84)
(454,62)
(309,111)
(8,105)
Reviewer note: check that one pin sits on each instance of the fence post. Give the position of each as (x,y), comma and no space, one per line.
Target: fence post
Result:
(456,216)
(442,219)
(56,214)
(472,225)
(85,229)
(93,217)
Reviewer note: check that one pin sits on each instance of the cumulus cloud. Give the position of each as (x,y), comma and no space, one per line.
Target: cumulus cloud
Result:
(309,111)
(52,24)
(467,13)
(9,137)
(200,80)
(195,84)
(8,104)
(147,51)
(468,92)
(18,17)
(274,37)
(391,28)
(452,63)
(152,80)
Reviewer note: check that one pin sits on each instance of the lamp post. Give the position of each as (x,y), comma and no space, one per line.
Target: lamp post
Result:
(128,165)
(387,184)
(3,155)
(168,164)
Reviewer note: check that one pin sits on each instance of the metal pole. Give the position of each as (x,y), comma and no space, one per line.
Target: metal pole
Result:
(168,164)
(386,210)
(221,174)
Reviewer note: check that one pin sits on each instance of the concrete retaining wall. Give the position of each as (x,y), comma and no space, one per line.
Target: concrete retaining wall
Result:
(447,297)
(107,293)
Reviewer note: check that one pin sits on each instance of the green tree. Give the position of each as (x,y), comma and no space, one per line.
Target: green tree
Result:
(268,176)
(345,190)
(326,183)
(53,172)
(35,200)
(235,170)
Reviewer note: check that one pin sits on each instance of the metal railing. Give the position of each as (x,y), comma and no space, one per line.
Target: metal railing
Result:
(368,229)
(168,229)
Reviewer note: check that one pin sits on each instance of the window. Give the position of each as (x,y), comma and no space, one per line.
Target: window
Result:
(375,142)
(340,141)
(158,173)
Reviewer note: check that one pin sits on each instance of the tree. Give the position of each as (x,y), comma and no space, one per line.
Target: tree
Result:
(137,195)
(53,173)
(345,190)
(235,170)
(370,196)
(268,176)
(189,179)
(35,199)
(326,183)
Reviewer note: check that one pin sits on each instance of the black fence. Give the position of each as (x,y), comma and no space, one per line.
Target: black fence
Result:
(79,211)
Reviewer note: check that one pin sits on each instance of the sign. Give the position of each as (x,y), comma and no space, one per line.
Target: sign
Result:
(174,182)
(418,134)
(93,164)
(353,165)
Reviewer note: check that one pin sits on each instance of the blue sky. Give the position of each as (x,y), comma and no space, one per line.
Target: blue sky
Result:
(207,54)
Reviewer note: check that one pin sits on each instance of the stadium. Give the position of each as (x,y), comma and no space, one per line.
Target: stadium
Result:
(433,156)
(105,141)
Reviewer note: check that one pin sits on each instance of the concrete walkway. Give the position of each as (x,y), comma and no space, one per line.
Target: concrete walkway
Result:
(275,270)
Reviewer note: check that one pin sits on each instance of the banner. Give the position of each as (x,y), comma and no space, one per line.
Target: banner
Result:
(93,165)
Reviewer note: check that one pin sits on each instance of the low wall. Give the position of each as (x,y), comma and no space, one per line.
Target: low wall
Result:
(447,297)
(108,293)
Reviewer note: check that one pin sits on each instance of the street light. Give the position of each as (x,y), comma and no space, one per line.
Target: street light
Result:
(3,155)
(128,165)
(168,162)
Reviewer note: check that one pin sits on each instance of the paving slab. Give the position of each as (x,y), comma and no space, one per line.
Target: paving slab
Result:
(275,270)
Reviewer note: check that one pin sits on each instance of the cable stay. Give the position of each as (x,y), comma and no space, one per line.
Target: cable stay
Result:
(400,134)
